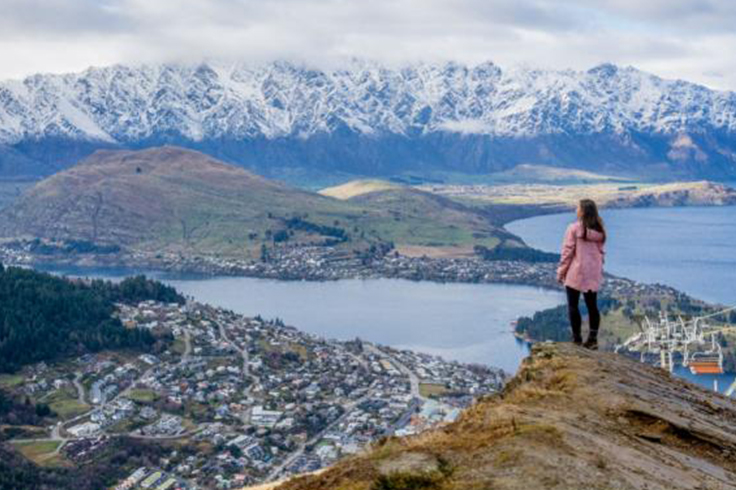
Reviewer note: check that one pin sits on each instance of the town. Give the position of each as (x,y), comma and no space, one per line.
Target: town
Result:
(320,263)
(244,400)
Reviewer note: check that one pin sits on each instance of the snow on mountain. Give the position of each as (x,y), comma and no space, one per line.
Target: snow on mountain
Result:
(126,104)
(367,118)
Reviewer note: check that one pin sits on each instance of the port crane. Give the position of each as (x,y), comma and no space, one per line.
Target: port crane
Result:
(692,342)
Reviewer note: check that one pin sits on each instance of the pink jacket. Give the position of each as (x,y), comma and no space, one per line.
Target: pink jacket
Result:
(581,263)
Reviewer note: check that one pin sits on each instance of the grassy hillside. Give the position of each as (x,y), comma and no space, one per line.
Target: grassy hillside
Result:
(571,419)
(358,187)
(165,197)
(433,220)
(528,173)
(612,195)
(180,200)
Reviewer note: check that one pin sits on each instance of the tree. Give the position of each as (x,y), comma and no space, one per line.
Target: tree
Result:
(43,410)
(44,317)
(235,451)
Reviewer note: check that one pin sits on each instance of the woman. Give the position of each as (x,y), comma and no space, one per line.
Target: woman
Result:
(581,269)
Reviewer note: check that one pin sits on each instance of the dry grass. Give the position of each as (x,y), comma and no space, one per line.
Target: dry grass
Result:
(43,453)
(432,389)
(357,188)
(606,194)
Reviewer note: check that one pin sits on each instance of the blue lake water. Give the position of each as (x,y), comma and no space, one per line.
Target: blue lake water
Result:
(464,322)
(691,249)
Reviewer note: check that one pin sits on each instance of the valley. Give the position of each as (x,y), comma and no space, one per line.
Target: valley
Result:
(233,399)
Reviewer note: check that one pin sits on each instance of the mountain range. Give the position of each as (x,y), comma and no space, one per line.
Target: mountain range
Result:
(373,120)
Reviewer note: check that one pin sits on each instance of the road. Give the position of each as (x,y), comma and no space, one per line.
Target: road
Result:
(405,418)
(243,351)
(187,344)
(413,378)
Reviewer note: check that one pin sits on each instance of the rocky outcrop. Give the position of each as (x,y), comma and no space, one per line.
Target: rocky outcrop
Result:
(570,419)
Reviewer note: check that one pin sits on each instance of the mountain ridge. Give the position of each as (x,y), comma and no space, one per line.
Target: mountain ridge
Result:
(368,119)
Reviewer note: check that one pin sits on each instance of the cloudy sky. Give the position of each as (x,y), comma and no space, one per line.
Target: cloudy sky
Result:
(690,39)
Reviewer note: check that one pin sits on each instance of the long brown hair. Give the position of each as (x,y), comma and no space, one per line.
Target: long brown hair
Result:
(590,218)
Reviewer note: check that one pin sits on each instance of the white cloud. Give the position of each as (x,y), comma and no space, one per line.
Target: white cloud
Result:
(673,38)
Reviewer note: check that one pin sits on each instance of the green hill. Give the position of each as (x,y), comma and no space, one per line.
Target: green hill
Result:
(160,198)
(434,220)
(179,200)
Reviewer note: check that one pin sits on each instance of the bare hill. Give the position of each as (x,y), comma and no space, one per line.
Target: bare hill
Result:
(159,197)
(570,419)
(175,199)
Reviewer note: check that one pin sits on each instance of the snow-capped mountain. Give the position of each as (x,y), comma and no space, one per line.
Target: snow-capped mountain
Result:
(371,119)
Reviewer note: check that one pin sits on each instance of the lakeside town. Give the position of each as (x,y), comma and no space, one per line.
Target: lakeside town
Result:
(324,263)
(242,400)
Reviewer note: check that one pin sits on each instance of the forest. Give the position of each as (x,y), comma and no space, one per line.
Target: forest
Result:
(515,253)
(45,317)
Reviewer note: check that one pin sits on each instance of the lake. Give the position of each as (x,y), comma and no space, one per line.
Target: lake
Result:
(464,322)
(691,249)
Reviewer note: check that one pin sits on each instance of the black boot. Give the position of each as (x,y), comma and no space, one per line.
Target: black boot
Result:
(577,338)
(592,342)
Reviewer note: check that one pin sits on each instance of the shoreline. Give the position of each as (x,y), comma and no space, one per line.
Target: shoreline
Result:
(443,271)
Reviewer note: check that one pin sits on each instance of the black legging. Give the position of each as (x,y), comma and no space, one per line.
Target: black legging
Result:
(576,320)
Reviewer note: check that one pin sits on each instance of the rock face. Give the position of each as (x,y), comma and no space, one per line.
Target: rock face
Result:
(570,419)
(373,120)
